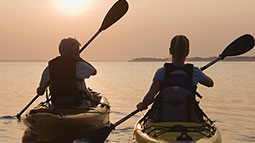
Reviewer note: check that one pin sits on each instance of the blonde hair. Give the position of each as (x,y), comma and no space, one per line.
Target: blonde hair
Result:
(179,48)
(69,47)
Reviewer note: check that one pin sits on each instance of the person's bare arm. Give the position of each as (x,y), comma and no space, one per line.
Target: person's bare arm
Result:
(149,97)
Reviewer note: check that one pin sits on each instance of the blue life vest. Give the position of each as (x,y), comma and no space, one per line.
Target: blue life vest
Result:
(63,86)
(176,101)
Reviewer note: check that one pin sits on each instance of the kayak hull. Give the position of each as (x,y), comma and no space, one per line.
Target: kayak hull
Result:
(48,123)
(176,132)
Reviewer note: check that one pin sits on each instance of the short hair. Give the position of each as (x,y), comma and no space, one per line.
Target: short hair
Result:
(69,47)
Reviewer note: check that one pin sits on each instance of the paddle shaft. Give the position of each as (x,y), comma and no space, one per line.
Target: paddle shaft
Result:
(21,112)
(107,130)
(90,40)
(125,118)
(211,63)
(117,11)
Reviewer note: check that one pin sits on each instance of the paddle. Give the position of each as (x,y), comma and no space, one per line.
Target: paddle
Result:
(100,135)
(20,113)
(114,14)
(239,46)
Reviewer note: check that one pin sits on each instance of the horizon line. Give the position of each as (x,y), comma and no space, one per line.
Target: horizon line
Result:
(196,58)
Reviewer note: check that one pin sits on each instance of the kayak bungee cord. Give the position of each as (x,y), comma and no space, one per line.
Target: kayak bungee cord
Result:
(209,132)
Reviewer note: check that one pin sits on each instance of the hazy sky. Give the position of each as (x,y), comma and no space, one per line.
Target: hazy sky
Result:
(32,29)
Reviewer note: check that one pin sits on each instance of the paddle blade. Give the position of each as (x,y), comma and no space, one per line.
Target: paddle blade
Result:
(241,45)
(114,14)
(100,135)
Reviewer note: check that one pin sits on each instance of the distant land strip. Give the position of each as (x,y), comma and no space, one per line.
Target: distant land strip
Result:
(242,58)
(149,59)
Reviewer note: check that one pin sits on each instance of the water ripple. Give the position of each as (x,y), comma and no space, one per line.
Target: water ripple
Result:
(7,117)
(2,130)
(124,114)
(248,138)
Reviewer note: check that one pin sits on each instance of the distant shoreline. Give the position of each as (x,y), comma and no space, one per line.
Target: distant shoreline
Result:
(149,59)
(242,58)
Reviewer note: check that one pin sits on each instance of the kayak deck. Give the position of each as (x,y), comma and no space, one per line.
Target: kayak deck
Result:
(49,123)
(176,132)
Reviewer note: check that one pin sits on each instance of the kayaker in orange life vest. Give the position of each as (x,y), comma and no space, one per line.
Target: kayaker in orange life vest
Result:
(166,76)
(65,76)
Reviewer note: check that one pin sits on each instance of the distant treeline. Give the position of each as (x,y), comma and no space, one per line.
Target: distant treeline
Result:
(242,58)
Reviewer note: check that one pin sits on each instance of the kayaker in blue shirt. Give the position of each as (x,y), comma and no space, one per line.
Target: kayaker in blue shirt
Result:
(65,76)
(179,50)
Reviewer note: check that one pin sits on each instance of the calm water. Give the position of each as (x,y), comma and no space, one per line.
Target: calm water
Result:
(231,102)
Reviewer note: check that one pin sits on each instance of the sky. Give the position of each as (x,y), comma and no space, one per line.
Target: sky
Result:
(32,29)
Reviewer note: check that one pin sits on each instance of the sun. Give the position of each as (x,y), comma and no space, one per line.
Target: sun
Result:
(72,7)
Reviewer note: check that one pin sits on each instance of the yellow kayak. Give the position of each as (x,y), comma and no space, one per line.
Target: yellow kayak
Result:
(175,132)
(49,123)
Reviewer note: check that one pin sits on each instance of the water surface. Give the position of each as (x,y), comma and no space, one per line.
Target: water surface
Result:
(231,102)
